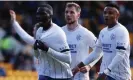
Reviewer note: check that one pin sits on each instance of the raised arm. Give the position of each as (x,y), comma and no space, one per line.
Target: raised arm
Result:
(25,36)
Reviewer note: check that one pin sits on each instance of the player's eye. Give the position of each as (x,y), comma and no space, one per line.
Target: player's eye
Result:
(66,12)
(72,12)
(41,13)
(104,12)
(110,12)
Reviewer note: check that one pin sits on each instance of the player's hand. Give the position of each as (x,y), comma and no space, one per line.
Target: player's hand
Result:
(13,15)
(102,76)
(35,45)
(75,70)
(85,69)
(40,45)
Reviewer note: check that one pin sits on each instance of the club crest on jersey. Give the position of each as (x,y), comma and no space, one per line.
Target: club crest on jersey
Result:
(112,36)
(78,37)
(102,35)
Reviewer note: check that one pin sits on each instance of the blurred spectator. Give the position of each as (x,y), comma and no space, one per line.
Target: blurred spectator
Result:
(2,72)
(23,61)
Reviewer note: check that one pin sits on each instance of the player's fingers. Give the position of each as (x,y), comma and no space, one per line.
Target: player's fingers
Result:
(35,45)
(13,15)
(36,42)
(12,12)
(83,70)
(39,42)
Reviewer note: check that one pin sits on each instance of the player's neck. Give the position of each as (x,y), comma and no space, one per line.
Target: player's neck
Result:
(72,27)
(47,26)
(112,25)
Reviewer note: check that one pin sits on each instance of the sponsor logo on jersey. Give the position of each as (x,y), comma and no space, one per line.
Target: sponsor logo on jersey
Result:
(106,48)
(102,35)
(72,48)
(120,44)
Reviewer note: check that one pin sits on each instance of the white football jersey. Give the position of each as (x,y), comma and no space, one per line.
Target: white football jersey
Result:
(55,38)
(54,63)
(79,40)
(110,40)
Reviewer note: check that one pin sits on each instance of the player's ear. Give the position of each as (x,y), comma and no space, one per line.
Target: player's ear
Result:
(78,15)
(118,15)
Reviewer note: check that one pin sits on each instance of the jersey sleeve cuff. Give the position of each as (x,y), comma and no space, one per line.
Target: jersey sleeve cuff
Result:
(49,50)
(107,71)
(85,62)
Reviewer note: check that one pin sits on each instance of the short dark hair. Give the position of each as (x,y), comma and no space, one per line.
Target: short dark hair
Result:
(72,4)
(113,5)
(47,6)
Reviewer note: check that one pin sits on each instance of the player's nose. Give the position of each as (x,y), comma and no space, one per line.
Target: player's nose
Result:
(106,15)
(68,14)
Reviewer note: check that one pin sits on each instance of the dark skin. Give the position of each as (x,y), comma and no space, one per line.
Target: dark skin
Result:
(43,18)
(111,16)
(44,21)
(102,76)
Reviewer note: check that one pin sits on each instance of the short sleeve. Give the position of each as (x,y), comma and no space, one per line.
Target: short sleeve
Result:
(91,39)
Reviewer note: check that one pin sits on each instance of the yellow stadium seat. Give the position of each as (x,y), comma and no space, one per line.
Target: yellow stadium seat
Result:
(6,66)
(131,38)
(132,72)
(9,72)
(2,78)
(17,74)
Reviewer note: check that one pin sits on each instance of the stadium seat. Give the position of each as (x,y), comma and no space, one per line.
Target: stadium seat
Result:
(132,72)
(131,38)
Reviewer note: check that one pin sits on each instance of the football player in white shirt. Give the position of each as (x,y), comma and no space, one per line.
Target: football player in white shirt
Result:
(115,44)
(80,40)
(50,45)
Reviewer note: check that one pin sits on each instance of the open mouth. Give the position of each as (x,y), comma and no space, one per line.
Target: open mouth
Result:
(68,18)
(106,19)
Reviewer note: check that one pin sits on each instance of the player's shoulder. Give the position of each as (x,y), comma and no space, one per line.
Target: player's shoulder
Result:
(84,31)
(64,27)
(121,31)
(121,28)
(58,30)
(39,29)
(103,31)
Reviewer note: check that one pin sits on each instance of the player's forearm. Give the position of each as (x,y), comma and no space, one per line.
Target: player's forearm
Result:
(96,60)
(95,54)
(25,36)
(62,56)
(119,57)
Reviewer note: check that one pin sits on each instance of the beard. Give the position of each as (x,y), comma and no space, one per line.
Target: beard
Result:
(70,22)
